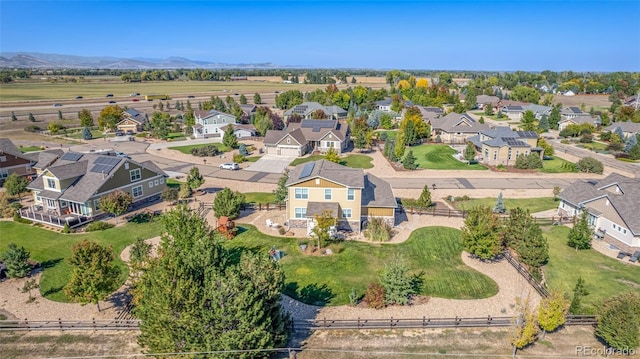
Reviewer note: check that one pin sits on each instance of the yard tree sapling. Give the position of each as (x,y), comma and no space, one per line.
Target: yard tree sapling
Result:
(480,233)
(13,116)
(31,117)
(281,191)
(525,327)
(257,100)
(409,161)
(552,312)
(323,222)
(424,200)
(499,207)
(470,152)
(194,179)
(86,134)
(580,234)
(332,155)
(396,281)
(579,291)
(242,149)
(93,274)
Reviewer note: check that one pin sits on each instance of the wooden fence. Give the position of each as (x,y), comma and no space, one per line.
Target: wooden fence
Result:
(522,269)
(62,324)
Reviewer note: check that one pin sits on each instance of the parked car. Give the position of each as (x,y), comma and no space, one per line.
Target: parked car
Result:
(135,100)
(230,166)
(191,96)
(109,95)
(78,97)
(122,155)
(57,105)
(112,101)
(119,133)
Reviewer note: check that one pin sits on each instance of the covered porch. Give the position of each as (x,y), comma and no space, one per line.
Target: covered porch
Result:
(51,217)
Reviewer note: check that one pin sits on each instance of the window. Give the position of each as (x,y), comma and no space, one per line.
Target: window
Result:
(137,191)
(161,180)
(51,183)
(38,198)
(150,184)
(4,173)
(302,193)
(288,141)
(126,165)
(346,213)
(351,194)
(495,155)
(155,182)
(301,213)
(64,204)
(135,174)
(3,158)
(327,194)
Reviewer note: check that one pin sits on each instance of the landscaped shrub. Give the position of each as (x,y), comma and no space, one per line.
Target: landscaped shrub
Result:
(282,231)
(589,165)
(170,194)
(378,230)
(66,229)
(209,150)
(530,161)
(239,158)
(374,296)
(98,226)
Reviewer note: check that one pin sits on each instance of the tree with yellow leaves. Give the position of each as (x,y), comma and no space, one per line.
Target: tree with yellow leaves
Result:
(110,116)
(525,326)
(404,84)
(422,83)
(552,312)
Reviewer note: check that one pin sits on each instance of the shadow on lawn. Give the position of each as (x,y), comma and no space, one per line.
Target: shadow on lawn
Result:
(313,294)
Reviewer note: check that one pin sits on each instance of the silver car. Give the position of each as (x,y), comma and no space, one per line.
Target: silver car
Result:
(230,166)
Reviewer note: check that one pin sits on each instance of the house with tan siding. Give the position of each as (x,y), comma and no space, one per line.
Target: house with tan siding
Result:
(351,195)
(501,145)
(132,120)
(455,128)
(613,207)
(307,136)
(70,190)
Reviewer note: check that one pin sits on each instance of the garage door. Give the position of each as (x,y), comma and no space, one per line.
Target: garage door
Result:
(286,151)
(272,150)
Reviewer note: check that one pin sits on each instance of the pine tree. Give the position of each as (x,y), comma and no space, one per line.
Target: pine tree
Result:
(525,236)
(86,134)
(242,149)
(229,138)
(580,235)
(194,179)
(409,161)
(16,259)
(543,125)
(13,116)
(281,191)
(257,100)
(579,291)
(228,203)
(424,200)
(243,99)
(619,322)
(396,281)
(470,152)
(499,207)
(31,117)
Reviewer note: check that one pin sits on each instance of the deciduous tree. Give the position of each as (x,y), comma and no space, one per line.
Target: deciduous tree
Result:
(470,152)
(552,312)
(116,203)
(323,222)
(228,203)
(525,327)
(257,100)
(527,123)
(589,165)
(93,275)
(525,94)
(195,179)
(15,185)
(110,116)
(281,191)
(85,117)
(332,155)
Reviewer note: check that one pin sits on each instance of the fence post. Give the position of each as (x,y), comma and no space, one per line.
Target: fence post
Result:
(489,319)
(60,324)
(358,322)
(449,213)
(26,323)
(391,322)
(267,206)
(259,206)
(94,323)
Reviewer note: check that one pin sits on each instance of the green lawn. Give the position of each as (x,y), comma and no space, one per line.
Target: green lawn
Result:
(558,165)
(187,149)
(593,146)
(532,204)
(78,134)
(391,134)
(492,117)
(604,276)
(252,158)
(440,157)
(259,197)
(25,149)
(174,183)
(176,136)
(329,279)
(52,248)
(353,161)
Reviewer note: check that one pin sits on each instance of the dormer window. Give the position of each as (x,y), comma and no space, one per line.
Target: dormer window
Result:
(51,183)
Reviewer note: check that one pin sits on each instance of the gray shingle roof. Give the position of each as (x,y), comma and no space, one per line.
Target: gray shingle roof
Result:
(377,193)
(455,122)
(349,177)
(133,114)
(8,147)
(627,203)
(44,159)
(631,127)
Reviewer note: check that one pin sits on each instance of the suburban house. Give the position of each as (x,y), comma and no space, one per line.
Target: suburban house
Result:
(632,101)
(351,195)
(429,113)
(571,112)
(579,120)
(306,110)
(241,130)
(613,204)
(455,128)
(12,160)
(515,112)
(501,145)
(483,100)
(628,128)
(307,136)
(248,110)
(69,191)
(385,104)
(132,120)
(208,123)
(44,159)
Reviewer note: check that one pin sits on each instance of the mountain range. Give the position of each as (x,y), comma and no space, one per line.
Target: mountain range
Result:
(32,60)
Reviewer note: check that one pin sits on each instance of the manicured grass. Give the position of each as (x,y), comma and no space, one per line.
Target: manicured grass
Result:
(353,161)
(391,134)
(492,117)
(604,276)
(52,249)
(252,158)
(174,183)
(440,157)
(627,160)
(25,149)
(259,197)
(558,165)
(532,204)
(593,146)
(187,149)
(78,134)
(329,279)
(176,136)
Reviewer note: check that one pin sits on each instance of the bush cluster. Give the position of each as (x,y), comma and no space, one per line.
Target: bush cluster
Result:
(98,226)
(378,230)
(530,161)
(206,151)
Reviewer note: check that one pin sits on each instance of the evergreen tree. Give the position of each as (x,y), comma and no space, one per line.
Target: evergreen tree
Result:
(16,260)
(86,134)
(470,152)
(228,203)
(194,179)
(619,322)
(198,297)
(396,281)
(281,191)
(527,123)
(631,141)
(13,116)
(499,207)
(93,277)
(634,152)
(480,233)
(31,117)
(525,236)
(424,200)
(242,149)
(554,117)
(60,118)
(229,138)
(243,99)
(409,161)
(257,100)
(580,234)
(579,291)
(543,125)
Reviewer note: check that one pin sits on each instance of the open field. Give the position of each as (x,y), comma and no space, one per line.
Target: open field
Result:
(604,276)
(532,204)
(321,280)
(588,100)
(52,249)
(439,157)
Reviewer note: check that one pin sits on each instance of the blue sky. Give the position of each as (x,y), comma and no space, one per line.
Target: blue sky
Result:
(448,35)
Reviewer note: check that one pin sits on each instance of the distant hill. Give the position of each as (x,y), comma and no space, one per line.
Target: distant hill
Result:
(31,60)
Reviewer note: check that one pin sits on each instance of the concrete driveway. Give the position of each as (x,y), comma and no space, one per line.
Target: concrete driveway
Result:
(271,164)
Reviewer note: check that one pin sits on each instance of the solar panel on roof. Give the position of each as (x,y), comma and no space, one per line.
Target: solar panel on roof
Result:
(106,160)
(307,169)
(71,156)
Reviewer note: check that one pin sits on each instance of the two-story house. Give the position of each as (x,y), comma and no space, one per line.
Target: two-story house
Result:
(69,191)
(307,110)
(613,207)
(132,121)
(351,195)
(455,128)
(502,145)
(12,160)
(209,123)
